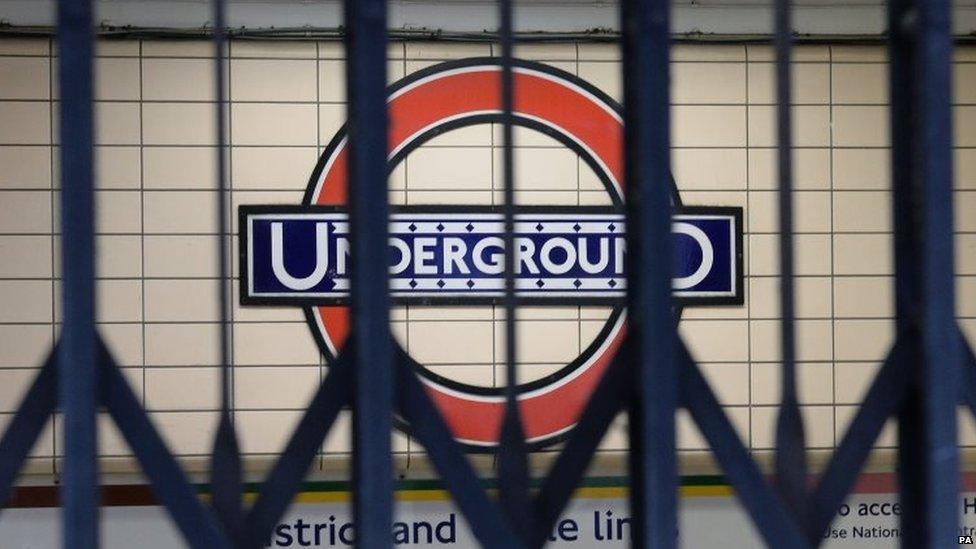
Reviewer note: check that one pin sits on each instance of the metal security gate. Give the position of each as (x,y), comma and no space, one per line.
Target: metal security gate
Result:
(928,372)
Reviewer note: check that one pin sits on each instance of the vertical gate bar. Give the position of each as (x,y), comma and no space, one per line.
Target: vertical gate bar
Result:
(513,474)
(373,377)
(653,468)
(225,460)
(790,445)
(78,384)
(940,347)
(907,275)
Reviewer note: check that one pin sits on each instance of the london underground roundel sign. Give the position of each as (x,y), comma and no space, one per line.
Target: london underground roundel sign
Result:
(450,255)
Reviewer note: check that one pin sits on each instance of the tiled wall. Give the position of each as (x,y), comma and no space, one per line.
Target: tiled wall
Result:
(156,223)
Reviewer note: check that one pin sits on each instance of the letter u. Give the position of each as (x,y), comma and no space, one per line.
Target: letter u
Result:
(321,257)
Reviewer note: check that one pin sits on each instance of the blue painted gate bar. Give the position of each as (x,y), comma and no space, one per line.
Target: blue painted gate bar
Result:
(303,256)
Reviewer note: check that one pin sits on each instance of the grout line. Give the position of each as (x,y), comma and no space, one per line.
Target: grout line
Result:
(746,279)
(142,223)
(54,249)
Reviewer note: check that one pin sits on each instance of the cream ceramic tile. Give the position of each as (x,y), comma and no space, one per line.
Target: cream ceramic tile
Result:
(811,126)
(178,124)
(818,423)
(116,301)
(445,50)
(481,375)
(815,383)
(860,126)
(182,388)
(181,256)
(708,126)
(813,340)
(710,83)
(449,169)
(273,80)
(812,211)
(541,341)
(966,296)
(707,52)
(862,254)
(526,372)
(690,438)
(598,51)
(285,49)
(180,168)
(714,169)
(248,313)
(117,79)
(861,168)
(44,446)
(118,168)
(862,211)
(332,79)
(277,343)
(852,380)
(591,198)
(273,124)
(24,78)
(117,123)
(182,345)
(119,256)
(469,312)
(604,75)
(729,381)
(276,387)
(811,169)
(331,119)
(266,432)
(444,342)
(886,439)
(802,53)
(716,340)
(187,433)
(284,168)
(965,254)
(542,52)
(177,48)
(864,296)
(965,211)
(25,345)
(964,124)
(812,254)
(858,54)
(25,122)
(13,387)
(863,339)
(124,341)
(240,198)
(860,83)
(964,83)
(180,212)
(24,46)
(333,49)
(181,300)
(126,47)
(811,83)
(25,212)
(812,297)
(25,256)
(537,169)
(25,167)
(117,212)
(25,300)
(171,79)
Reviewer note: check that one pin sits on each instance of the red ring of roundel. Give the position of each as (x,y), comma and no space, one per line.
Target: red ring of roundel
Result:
(451,92)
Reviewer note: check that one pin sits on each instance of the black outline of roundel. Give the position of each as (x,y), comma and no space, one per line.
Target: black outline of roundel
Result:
(470,121)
